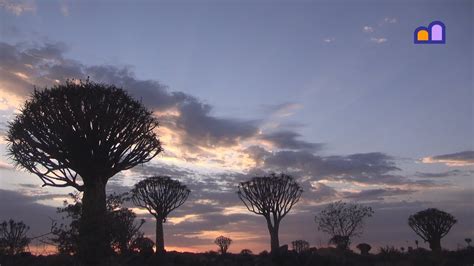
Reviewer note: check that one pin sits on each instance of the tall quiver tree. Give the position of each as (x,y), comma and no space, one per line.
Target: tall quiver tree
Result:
(160,195)
(272,197)
(80,134)
(432,225)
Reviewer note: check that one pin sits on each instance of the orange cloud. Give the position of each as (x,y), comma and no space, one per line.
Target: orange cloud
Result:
(464,158)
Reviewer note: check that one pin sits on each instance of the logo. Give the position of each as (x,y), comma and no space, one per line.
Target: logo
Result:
(433,34)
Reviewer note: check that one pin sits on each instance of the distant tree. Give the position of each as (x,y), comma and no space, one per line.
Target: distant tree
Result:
(342,221)
(223,243)
(80,134)
(143,245)
(272,197)
(416,243)
(432,225)
(246,252)
(364,248)
(160,195)
(300,246)
(122,229)
(468,241)
(13,239)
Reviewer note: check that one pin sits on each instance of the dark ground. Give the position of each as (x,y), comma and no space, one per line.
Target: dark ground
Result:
(321,257)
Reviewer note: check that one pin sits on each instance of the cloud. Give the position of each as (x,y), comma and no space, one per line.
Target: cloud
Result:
(18,7)
(14,205)
(463,158)
(64,8)
(288,140)
(329,39)
(379,40)
(21,67)
(449,173)
(322,192)
(368,29)
(5,166)
(377,194)
(283,109)
(359,169)
(355,164)
(390,20)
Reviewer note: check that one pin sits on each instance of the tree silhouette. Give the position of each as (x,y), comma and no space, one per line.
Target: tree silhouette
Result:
(272,197)
(432,225)
(246,252)
(342,221)
(143,245)
(364,248)
(300,246)
(121,223)
(223,243)
(121,226)
(80,134)
(13,239)
(159,195)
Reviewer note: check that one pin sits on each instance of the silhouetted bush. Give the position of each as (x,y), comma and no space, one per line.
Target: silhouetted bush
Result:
(13,239)
(246,252)
(122,229)
(300,246)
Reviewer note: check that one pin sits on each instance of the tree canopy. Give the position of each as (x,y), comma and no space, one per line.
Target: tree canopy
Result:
(432,225)
(223,243)
(79,132)
(342,221)
(160,195)
(271,196)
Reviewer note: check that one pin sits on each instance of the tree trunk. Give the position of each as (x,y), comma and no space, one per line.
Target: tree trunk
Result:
(435,244)
(274,241)
(160,241)
(94,244)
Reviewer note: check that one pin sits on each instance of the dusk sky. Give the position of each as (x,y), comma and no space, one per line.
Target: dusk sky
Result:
(334,93)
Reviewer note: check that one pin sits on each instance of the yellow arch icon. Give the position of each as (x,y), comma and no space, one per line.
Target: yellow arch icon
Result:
(422,35)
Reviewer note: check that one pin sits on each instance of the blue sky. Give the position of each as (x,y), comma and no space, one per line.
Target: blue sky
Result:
(345,74)
(268,53)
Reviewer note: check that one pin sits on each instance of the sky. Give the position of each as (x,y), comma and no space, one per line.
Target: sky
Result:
(334,93)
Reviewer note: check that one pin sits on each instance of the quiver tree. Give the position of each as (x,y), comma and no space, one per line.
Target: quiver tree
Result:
(80,134)
(223,243)
(432,225)
(300,246)
(272,197)
(342,221)
(364,248)
(159,195)
(13,239)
